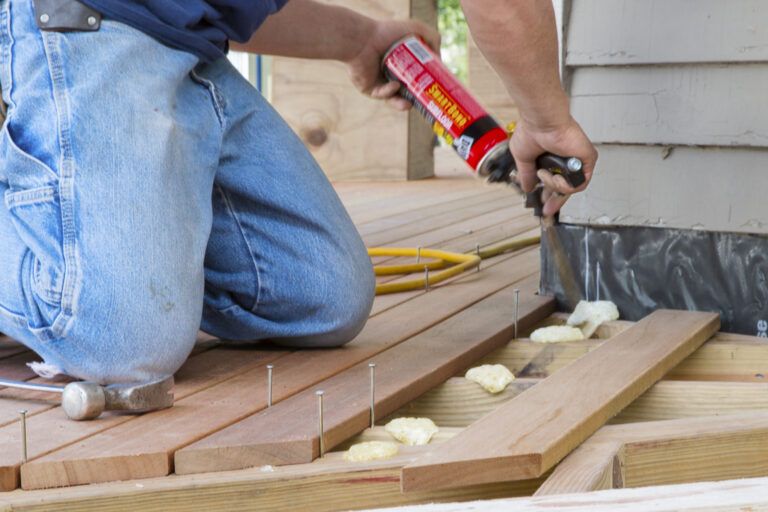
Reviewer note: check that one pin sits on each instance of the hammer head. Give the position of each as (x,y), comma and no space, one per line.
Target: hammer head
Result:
(140,397)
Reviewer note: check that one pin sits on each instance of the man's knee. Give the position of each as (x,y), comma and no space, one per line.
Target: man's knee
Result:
(129,336)
(343,310)
(117,353)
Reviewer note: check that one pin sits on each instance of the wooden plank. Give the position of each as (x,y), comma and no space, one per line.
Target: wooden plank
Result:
(329,484)
(50,429)
(410,197)
(535,430)
(36,402)
(12,400)
(352,136)
(734,454)
(430,222)
(604,331)
(696,104)
(662,452)
(593,466)
(402,374)
(15,366)
(459,402)
(681,399)
(724,357)
(143,447)
(654,453)
(728,496)
(470,198)
(697,195)
(378,433)
(485,229)
(660,32)
(10,347)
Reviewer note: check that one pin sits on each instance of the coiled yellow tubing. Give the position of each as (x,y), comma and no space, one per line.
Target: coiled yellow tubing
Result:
(456,263)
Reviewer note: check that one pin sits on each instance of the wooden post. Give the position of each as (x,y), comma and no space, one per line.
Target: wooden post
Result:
(351,136)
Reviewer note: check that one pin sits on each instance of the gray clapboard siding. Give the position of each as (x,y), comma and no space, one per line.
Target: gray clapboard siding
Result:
(718,189)
(611,32)
(718,105)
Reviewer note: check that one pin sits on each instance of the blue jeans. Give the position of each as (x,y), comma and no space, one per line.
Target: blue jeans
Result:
(147,196)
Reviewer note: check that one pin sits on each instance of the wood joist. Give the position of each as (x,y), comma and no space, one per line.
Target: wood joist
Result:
(744,495)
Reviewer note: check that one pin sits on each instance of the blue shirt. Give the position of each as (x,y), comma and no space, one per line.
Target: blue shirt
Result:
(202,27)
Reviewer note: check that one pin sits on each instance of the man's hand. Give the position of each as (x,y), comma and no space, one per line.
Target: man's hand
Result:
(566,139)
(365,67)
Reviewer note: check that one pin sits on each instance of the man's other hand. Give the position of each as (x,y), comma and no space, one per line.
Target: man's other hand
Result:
(365,67)
(565,139)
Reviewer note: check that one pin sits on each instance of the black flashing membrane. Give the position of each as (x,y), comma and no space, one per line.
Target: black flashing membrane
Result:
(642,269)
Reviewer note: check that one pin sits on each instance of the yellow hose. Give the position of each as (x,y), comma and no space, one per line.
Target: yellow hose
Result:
(441,259)
(509,245)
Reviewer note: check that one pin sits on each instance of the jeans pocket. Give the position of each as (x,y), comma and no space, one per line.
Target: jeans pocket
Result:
(34,203)
(36,216)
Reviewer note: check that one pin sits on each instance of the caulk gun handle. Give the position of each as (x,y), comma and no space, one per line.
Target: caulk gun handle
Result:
(569,168)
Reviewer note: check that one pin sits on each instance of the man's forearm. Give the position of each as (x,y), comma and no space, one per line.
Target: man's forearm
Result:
(519,39)
(312,30)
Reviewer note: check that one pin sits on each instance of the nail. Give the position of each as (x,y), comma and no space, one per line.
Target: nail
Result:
(319,395)
(418,254)
(426,278)
(269,385)
(517,309)
(23,422)
(372,366)
(477,250)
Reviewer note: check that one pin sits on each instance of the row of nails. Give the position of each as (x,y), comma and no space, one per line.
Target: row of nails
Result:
(270,368)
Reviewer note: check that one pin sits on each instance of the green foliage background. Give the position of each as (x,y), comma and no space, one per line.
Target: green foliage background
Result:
(453,29)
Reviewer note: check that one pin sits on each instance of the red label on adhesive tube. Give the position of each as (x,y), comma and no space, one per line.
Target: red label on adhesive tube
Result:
(455,115)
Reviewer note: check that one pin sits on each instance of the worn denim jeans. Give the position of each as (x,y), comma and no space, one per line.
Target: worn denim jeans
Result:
(148,195)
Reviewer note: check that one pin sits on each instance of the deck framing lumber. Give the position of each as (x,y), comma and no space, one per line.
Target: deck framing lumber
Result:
(665,452)
(402,373)
(459,402)
(532,432)
(724,357)
(327,484)
(727,496)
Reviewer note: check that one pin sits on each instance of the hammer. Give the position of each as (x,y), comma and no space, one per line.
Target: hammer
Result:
(87,400)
